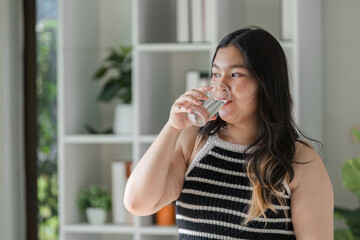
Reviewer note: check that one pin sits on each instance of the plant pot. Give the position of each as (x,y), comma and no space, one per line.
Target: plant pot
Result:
(123,119)
(96,216)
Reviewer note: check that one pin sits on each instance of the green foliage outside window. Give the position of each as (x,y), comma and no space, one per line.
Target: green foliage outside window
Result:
(47,182)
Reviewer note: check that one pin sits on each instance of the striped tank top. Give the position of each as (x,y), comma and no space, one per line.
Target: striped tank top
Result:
(216,196)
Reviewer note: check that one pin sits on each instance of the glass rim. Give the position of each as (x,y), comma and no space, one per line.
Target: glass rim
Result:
(226,88)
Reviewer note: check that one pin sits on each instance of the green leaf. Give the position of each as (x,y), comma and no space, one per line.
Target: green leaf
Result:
(356,134)
(125,79)
(353,216)
(343,234)
(351,175)
(119,86)
(110,89)
(100,72)
(126,95)
(115,57)
(340,212)
(94,196)
(353,221)
(126,50)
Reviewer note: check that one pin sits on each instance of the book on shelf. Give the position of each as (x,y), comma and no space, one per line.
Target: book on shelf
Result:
(195,79)
(182,21)
(196,7)
(287,7)
(195,20)
(120,175)
(208,20)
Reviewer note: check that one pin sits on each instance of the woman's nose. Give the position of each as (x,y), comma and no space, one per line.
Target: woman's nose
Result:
(224,83)
(221,90)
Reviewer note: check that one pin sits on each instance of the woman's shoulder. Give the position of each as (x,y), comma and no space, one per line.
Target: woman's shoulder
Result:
(305,152)
(308,165)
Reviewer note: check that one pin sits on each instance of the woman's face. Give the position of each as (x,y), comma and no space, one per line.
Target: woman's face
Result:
(229,67)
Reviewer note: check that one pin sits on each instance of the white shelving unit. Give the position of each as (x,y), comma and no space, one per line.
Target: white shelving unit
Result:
(88,27)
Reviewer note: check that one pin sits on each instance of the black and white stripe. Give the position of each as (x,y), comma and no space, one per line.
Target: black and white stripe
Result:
(216,197)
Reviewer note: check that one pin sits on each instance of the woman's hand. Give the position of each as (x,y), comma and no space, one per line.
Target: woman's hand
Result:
(178,118)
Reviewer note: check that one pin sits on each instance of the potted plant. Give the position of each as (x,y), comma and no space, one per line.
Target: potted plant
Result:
(351,181)
(115,72)
(95,201)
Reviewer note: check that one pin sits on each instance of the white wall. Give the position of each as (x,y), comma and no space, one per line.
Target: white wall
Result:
(341,55)
(12,197)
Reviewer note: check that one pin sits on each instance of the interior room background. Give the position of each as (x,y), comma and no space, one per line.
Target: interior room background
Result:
(340,61)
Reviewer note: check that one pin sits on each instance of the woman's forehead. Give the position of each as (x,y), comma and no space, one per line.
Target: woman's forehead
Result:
(230,57)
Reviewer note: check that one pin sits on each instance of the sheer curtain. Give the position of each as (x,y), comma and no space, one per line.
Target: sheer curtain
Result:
(12,197)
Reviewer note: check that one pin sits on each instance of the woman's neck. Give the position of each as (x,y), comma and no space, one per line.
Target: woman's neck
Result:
(244,134)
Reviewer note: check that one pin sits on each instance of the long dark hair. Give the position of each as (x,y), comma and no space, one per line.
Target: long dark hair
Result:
(270,162)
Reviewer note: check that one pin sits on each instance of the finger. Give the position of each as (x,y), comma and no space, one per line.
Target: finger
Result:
(185,99)
(181,109)
(197,93)
(203,89)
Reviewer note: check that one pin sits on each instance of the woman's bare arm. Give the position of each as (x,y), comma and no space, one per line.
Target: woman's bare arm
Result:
(312,199)
(158,177)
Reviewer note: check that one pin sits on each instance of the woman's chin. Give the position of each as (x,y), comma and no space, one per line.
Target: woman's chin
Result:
(225,115)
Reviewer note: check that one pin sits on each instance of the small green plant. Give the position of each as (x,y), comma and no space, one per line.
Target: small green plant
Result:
(115,70)
(94,197)
(351,181)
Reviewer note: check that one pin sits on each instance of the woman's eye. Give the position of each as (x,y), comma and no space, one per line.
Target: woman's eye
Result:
(216,75)
(236,74)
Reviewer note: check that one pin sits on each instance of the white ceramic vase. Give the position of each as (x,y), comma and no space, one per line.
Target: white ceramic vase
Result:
(96,216)
(123,119)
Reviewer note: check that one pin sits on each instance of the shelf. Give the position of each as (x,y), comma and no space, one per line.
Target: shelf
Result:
(100,139)
(159,230)
(174,47)
(123,229)
(107,228)
(177,47)
(148,138)
(96,139)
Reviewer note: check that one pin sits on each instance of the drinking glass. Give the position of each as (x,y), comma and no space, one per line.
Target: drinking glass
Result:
(218,96)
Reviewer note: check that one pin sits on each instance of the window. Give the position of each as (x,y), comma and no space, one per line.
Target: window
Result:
(47,186)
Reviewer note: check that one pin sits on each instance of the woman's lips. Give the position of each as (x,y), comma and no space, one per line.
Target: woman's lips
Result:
(228,102)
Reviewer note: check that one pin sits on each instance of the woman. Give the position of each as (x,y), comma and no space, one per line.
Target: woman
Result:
(246,174)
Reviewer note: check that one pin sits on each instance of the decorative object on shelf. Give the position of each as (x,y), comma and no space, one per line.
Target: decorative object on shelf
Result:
(351,181)
(195,21)
(120,175)
(195,79)
(115,70)
(166,215)
(96,216)
(95,201)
